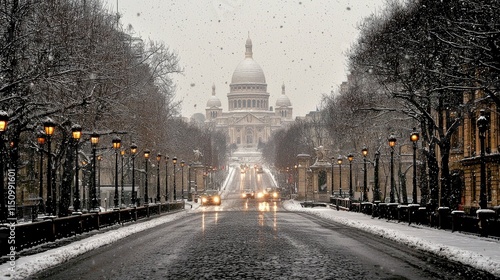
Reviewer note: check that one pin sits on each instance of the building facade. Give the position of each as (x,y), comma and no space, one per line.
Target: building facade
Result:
(249,119)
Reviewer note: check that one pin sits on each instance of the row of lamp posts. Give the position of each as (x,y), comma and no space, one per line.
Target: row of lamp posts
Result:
(414,137)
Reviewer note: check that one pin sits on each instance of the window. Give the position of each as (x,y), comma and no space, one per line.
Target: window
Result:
(253,103)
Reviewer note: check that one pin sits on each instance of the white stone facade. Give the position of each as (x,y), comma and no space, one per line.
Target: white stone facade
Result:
(249,119)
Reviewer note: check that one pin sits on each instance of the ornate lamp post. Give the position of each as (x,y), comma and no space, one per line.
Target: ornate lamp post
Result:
(174,161)
(295,180)
(392,143)
(94,141)
(182,179)
(49,126)
(122,192)
(364,152)
(166,178)
(376,188)
(146,157)
(76,132)
(189,181)
(414,138)
(333,160)
(4,120)
(158,159)
(40,138)
(133,151)
(339,161)
(482,125)
(350,157)
(116,146)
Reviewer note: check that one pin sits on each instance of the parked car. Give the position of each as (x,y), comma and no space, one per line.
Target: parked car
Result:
(210,197)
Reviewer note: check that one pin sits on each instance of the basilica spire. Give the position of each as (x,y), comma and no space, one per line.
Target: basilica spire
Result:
(213,89)
(248,47)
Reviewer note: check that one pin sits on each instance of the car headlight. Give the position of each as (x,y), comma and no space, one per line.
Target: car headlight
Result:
(260,195)
(275,195)
(203,199)
(216,199)
(244,195)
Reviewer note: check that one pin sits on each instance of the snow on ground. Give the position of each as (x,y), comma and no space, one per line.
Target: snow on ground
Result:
(28,265)
(478,252)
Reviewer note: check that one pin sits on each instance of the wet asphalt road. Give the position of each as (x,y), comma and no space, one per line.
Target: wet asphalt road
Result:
(249,239)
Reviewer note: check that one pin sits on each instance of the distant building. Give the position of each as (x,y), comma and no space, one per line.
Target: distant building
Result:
(249,120)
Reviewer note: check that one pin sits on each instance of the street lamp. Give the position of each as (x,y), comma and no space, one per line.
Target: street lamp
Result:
(350,157)
(76,132)
(117,142)
(376,187)
(333,161)
(392,143)
(40,138)
(414,138)
(94,141)
(182,179)
(174,160)
(295,181)
(364,152)
(133,151)
(49,126)
(189,181)
(4,120)
(482,125)
(158,158)
(146,157)
(339,161)
(122,193)
(166,178)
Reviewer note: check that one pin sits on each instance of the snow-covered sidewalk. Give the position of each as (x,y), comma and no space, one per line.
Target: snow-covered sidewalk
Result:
(478,252)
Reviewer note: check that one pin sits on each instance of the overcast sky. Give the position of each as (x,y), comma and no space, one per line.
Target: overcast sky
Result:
(300,43)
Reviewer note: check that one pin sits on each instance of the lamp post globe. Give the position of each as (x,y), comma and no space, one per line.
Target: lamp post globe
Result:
(94,141)
(166,178)
(392,143)
(4,120)
(116,146)
(364,152)
(182,179)
(133,152)
(174,161)
(414,136)
(147,153)
(482,125)
(76,132)
(158,159)
(49,127)
(350,157)
(339,162)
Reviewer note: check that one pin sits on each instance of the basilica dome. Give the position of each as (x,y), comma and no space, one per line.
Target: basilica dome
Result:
(283,100)
(213,101)
(248,71)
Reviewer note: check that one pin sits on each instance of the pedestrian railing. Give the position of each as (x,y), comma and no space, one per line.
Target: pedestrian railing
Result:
(483,222)
(28,235)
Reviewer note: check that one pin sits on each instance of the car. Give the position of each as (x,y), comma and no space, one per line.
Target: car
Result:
(269,194)
(210,197)
(248,193)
